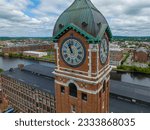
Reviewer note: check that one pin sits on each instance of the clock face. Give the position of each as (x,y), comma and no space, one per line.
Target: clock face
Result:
(104,50)
(73,52)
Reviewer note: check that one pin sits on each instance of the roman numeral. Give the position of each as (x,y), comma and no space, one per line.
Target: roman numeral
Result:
(79,57)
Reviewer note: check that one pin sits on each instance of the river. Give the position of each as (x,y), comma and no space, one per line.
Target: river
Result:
(140,79)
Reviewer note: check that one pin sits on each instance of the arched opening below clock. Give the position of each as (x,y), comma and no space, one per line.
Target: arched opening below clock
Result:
(72,90)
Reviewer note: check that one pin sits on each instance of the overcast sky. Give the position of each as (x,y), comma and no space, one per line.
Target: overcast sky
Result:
(36,18)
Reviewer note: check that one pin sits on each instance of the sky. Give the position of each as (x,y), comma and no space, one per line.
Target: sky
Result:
(36,18)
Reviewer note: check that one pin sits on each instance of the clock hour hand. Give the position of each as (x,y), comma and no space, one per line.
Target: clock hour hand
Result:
(70,48)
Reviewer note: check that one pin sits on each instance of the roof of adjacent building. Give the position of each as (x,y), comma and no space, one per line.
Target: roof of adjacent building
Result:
(40,69)
(141,49)
(42,77)
(38,76)
(84,15)
(129,90)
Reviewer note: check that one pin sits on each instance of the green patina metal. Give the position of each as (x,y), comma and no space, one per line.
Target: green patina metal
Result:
(83,17)
(68,27)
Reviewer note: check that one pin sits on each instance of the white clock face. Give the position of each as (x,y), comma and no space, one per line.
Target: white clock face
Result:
(73,52)
(104,50)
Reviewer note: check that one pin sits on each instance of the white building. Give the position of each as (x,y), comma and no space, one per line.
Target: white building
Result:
(35,53)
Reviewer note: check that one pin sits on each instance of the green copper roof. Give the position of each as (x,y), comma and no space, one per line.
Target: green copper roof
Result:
(84,15)
(68,27)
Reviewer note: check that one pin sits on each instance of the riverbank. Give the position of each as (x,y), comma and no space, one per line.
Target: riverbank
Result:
(132,69)
(1,70)
(49,59)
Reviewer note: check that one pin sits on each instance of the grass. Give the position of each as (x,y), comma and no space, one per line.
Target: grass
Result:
(133,69)
(125,58)
(48,58)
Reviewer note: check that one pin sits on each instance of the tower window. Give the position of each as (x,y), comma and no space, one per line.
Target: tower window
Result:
(62,89)
(61,26)
(84,96)
(99,25)
(72,90)
(84,24)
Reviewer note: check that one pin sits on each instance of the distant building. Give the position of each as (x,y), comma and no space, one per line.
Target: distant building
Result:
(128,50)
(141,55)
(30,89)
(116,55)
(30,47)
(34,53)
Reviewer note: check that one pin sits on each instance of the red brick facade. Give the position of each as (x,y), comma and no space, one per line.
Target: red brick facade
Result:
(140,56)
(97,92)
(116,57)
(27,48)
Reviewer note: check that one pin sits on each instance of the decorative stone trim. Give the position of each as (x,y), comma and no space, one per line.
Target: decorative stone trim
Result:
(104,74)
(80,89)
(105,70)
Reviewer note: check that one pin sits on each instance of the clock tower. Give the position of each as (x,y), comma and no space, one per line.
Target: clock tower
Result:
(82,35)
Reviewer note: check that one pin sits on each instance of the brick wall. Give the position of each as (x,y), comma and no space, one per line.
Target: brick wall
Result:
(140,56)
(96,102)
(27,48)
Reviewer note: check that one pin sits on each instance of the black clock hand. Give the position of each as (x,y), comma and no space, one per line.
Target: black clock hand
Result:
(70,48)
(104,48)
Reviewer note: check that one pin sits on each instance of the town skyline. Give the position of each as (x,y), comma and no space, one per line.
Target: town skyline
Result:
(36,18)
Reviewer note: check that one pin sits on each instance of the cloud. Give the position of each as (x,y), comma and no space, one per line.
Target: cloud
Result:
(14,22)
(37,17)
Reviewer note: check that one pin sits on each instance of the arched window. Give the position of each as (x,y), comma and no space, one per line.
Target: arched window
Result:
(72,90)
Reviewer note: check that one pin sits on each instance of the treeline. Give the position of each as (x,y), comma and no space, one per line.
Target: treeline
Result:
(125,38)
(25,38)
(20,55)
(134,69)
(1,70)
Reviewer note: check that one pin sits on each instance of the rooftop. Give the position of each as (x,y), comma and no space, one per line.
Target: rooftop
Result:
(41,77)
(40,69)
(38,76)
(84,15)
(129,90)
(114,47)
(141,49)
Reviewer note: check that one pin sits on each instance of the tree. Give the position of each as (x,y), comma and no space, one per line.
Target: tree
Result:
(1,70)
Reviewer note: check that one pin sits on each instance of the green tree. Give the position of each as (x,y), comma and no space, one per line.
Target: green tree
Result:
(1,70)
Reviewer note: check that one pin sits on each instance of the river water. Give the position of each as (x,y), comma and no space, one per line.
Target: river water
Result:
(140,79)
